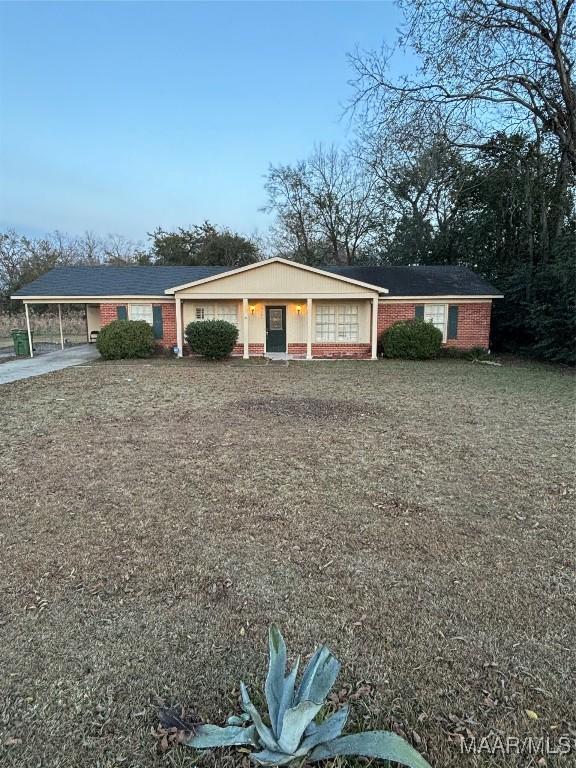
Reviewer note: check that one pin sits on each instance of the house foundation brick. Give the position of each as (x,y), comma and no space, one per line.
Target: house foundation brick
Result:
(341,350)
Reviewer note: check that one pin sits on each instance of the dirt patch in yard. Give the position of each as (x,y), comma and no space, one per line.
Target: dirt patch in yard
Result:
(156,517)
(314,408)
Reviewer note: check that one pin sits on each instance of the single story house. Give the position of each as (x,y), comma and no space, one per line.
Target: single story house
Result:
(280,307)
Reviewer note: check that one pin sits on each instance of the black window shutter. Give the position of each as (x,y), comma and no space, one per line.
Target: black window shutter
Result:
(419,311)
(157,321)
(453,321)
(122,312)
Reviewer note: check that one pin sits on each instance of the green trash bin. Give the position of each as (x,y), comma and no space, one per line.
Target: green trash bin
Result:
(21,345)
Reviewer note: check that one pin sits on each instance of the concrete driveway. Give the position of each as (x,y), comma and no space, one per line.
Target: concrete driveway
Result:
(26,368)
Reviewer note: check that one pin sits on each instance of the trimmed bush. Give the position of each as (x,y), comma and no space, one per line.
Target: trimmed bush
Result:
(412,340)
(126,339)
(213,339)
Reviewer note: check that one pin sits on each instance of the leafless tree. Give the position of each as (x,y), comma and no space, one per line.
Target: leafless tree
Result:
(486,65)
(325,206)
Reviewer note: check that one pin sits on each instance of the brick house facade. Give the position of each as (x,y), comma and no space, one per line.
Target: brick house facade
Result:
(281,308)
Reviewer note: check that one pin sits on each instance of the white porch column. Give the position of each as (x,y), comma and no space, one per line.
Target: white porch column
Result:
(179,336)
(28,329)
(374,336)
(245,327)
(60,321)
(308,329)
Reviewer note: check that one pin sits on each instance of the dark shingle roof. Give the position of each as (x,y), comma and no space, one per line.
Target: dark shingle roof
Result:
(437,280)
(114,281)
(153,281)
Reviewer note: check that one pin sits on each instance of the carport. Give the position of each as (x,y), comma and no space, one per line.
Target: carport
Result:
(91,311)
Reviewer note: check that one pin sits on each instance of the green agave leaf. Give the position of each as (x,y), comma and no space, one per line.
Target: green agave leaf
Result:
(296,720)
(208,736)
(274,686)
(265,733)
(381,744)
(266,757)
(309,671)
(287,699)
(330,729)
(324,677)
(238,719)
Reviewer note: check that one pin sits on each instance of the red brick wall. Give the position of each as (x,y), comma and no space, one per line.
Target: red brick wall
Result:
(254,350)
(108,313)
(297,349)
(340,349)
(168,326)
(388,314)
(473,326)
(473,321)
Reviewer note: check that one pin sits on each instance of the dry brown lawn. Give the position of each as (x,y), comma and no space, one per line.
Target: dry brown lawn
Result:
(156,517)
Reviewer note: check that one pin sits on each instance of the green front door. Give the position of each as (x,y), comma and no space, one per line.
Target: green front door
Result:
(275,329)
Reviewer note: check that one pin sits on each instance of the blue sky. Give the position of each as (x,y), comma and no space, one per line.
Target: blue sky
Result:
(117,117)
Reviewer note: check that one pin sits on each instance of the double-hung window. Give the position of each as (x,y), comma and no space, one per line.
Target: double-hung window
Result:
(141,312)
(228,312)
(438,316)
(337,322)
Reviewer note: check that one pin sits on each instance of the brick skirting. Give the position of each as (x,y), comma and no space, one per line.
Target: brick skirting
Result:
(254,350)
(341,350)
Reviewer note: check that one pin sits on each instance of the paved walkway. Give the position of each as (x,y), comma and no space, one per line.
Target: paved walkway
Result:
(26,368)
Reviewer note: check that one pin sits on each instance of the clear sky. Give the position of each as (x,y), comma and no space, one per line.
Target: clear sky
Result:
(117,117)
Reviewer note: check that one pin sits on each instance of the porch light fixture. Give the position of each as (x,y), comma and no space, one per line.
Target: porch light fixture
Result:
(298,308)
(252,309)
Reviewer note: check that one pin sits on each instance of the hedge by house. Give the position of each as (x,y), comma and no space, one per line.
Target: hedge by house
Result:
(412,340)
(123,339)
(213,339)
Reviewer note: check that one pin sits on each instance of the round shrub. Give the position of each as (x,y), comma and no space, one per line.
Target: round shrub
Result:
(213,339)
(412,340)
(122,339)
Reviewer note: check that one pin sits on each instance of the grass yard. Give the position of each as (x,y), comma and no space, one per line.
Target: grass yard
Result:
(156,517)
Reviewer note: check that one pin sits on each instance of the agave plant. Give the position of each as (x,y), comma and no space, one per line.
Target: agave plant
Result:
(292,731)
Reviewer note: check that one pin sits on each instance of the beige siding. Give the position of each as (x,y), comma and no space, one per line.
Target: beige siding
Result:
(296,323)
(92,318)
(275,279)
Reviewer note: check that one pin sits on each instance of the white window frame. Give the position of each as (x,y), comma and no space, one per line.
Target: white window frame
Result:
(217,312)
(336,318)
(131,308)
(444,327)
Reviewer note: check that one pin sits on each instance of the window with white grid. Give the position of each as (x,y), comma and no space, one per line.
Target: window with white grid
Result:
(436,314)
(337,322)
(348,326)
(141,312)
(228,312)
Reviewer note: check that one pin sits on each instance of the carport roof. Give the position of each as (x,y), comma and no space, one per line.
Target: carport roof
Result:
(153,281)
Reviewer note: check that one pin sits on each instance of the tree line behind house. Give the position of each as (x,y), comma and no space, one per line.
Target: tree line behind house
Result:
(470,161)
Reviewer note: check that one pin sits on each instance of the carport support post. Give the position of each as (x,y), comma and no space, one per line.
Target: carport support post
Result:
(375,328)
(308,329)
(60,321)
(179,336)
(245,328)
(28,329)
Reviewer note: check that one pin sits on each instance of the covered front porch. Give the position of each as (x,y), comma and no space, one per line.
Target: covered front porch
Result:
(284,308)
(295,327)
